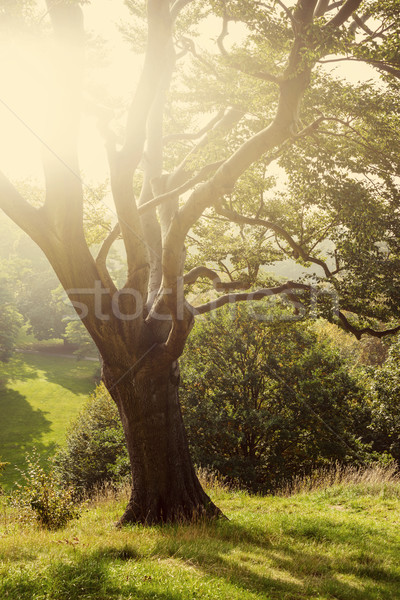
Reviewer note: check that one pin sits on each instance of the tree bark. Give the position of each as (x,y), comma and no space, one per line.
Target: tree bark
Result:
(165,487)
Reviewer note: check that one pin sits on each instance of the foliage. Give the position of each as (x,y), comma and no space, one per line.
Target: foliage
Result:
(75,333)
(10,318)
(385,393)
(264,400)
(52,504)
(95,451)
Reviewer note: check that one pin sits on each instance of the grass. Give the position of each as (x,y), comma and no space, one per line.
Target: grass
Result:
(337,542)
(41,394)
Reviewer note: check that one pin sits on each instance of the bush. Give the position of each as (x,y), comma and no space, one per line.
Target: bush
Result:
(266,400)
(95,451)
(44,497)
(385,392)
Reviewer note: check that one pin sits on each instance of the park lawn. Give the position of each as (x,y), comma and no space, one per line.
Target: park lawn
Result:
(41,395)
(341,543)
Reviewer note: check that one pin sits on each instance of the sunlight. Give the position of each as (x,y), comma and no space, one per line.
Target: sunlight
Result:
(30,72)
(22,106)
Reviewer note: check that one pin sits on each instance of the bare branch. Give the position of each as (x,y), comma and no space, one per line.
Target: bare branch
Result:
(156,60)
(360,22)
(358,332)
(286,288)
(281,129)
(262,75)
(323,7)
(385,67)
(218,285)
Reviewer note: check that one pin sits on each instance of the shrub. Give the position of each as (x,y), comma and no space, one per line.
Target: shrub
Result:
(95,451)
(266,400)
(385,392)
(44,497)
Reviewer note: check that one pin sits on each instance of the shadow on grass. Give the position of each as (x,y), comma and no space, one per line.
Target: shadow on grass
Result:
(87,577)
(240,556)
(229,558)
(78,377)
(21,429)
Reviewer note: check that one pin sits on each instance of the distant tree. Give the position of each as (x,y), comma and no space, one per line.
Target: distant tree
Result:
(10,318)
(76,334)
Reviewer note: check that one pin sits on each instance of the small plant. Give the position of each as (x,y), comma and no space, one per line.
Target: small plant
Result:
(44,498)
(2,467)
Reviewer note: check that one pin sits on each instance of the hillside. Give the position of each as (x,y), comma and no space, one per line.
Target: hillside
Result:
(341,542)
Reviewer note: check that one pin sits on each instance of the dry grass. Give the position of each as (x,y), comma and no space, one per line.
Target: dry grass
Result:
(372,476)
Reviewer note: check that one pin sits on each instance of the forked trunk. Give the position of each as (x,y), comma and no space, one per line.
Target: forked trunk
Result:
(165,486)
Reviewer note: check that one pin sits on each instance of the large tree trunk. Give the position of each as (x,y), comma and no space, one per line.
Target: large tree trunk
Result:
(165,487)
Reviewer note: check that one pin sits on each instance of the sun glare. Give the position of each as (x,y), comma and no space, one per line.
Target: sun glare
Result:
(29,72)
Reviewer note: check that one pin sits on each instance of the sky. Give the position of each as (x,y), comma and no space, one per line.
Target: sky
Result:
(25,88)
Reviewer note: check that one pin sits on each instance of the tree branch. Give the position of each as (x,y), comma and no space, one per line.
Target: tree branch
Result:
(19,210)
(193,136)
(298,250)
(177,7)
(357,332)
(220,286)
(222,35)
(173,194)
(286,288)
(124,163)
(229,119)
(101,259)
(288,12)
(344,13)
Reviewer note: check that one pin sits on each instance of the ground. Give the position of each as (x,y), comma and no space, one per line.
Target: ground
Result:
(341,543)
(42,394)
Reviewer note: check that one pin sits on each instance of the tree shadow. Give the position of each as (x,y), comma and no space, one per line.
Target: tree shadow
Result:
(78,377)
(21,430)
(251,561)
(291,569)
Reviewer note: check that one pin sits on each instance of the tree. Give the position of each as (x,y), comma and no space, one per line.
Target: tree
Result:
(141,329)
(264,401)
(10,318)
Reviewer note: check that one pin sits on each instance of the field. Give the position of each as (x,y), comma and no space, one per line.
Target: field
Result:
(41,395)
(338,543)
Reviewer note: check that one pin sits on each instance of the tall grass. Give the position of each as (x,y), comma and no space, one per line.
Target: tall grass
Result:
(371,477)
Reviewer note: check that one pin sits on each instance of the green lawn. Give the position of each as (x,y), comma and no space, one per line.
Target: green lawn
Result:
(39,397)
(341,543)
